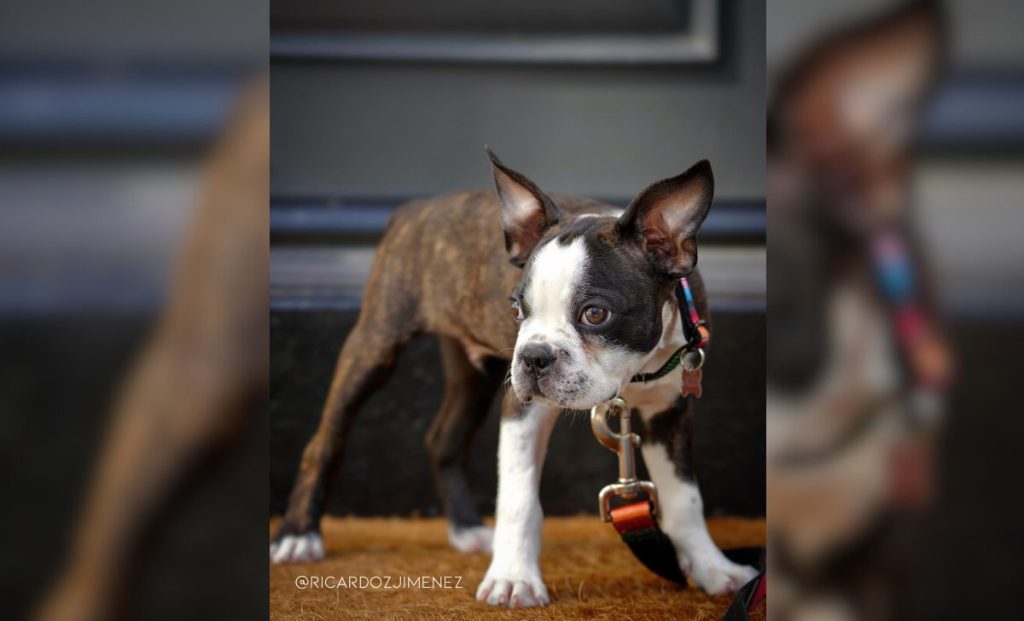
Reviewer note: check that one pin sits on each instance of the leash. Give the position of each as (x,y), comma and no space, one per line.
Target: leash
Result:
(637,524)
(896,278)
(926,358)
(636,521)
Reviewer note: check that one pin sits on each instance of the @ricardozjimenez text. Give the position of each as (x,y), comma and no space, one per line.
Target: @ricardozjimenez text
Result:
(425,583)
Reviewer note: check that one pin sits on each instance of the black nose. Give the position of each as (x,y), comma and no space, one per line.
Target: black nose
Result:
(537,357)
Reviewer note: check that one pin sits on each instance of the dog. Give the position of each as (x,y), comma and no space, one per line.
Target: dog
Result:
(578,297)
(190,394)
(850,431)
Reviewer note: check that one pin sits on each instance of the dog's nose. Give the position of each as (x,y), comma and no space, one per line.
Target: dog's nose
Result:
(537,357)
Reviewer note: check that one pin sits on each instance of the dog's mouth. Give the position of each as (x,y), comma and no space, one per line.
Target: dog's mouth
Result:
(572,395)
(540,397)
(529,389)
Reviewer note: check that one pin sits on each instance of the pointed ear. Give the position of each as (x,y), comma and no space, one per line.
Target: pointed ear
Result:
(665,217)
(526,212)
(865,84)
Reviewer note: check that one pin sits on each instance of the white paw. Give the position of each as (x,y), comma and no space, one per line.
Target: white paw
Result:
(515,588)
(718,575)
(305,548)
(471,539)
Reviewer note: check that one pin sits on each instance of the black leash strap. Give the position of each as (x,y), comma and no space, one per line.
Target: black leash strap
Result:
(636,524)
(747,599)
(639,530)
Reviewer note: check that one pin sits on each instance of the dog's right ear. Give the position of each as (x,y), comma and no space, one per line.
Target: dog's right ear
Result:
(863,86)
(526,212)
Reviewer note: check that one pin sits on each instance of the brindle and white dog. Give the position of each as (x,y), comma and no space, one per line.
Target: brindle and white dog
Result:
(849,428)
(591,294)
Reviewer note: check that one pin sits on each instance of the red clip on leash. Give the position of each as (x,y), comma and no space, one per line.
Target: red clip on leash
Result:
(636,521)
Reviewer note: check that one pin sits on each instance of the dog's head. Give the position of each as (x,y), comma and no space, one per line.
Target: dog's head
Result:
(842,117)
(841,123)
(594,284)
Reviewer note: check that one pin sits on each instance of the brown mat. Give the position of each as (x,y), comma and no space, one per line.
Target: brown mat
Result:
(589,572)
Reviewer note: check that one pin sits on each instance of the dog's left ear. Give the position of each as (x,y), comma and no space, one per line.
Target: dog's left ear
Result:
(664,219)
(526,212)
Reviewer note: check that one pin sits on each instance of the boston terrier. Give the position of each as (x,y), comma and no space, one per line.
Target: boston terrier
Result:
(580,296)
(850,430)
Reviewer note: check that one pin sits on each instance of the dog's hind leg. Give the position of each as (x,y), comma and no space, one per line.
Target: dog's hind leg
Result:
(364,363)
(468,396)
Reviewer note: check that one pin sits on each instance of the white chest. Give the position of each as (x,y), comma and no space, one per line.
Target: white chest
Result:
(654,397)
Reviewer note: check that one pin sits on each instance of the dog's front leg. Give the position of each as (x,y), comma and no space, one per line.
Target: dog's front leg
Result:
(514,577)
(668,454)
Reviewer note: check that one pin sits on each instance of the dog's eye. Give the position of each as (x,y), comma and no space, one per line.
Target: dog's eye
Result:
(595,315)
(517,310)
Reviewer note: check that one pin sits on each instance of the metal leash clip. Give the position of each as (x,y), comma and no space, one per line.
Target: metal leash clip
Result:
(623,444)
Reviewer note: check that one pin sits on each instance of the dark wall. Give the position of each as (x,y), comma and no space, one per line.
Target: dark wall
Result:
(400,128)
(59,379)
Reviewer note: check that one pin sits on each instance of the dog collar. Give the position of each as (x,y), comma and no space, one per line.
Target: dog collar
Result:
(694,330)
(665,369)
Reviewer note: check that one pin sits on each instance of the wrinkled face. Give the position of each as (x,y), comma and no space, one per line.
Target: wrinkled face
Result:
(589,309)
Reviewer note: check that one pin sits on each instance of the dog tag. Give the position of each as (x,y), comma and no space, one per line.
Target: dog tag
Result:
(911,465)
(691,383)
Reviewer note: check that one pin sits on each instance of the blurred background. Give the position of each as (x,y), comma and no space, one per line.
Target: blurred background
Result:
(375,103)
(108,110)
(966,184)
